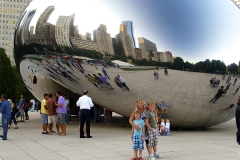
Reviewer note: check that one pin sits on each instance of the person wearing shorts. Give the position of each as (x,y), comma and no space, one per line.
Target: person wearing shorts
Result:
(109,116)
(138,136)
(20,108)
(44,114)
(61,114)
(52,113)
(151,123)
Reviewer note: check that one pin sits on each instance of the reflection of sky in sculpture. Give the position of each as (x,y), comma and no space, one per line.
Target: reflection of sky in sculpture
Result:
(193,30)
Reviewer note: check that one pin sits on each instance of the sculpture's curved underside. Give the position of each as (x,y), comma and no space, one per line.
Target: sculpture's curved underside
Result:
(187,93)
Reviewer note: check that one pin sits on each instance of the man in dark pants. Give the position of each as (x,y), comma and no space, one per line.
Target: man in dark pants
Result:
(218,95)
(105,73)
(85,104)
(237,117)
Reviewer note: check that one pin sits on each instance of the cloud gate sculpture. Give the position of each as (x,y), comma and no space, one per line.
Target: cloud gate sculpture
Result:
(187,93)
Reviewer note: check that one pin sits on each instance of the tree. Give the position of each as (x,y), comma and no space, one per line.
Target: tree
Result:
(178,63)
(7,75)
(233,68)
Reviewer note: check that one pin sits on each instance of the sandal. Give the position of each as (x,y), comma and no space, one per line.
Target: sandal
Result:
(8,127)
(62,134)
(58,133)
(15,127)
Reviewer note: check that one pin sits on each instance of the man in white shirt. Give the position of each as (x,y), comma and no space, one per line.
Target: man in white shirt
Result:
(85,104)
(32,102)
(123,82)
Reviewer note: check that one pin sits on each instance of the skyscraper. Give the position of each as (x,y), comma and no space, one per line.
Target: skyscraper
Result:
(25,27)
(103,40)
(64,30)
(42,27)
(129,27)
(10,11)
(146,44)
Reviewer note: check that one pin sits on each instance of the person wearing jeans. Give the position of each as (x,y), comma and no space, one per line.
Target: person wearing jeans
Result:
(6,114)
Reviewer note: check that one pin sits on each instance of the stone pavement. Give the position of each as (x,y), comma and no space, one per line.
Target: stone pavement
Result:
(113,142)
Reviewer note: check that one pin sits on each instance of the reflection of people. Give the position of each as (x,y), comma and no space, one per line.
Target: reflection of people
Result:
(235,80)
(164,109)
(122,82)
(138,136)
(85,103)
(236,90)
(105,73)
(218,95)
(164,131)
(5,109)
(237,117)
(227,108)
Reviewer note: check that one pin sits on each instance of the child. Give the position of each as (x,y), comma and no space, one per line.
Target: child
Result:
(151,123)
(138,136)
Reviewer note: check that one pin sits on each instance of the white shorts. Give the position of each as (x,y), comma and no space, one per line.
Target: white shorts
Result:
(52,119)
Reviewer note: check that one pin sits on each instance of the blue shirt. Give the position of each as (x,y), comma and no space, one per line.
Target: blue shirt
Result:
(104,71)
(6,109)
(21,102)
(141,124)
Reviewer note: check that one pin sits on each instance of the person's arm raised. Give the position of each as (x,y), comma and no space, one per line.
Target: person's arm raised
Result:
(131,122)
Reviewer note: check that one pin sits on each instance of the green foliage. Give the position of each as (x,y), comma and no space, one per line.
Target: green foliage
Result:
(10,79)
(233,68)
(20,86)
(7,75)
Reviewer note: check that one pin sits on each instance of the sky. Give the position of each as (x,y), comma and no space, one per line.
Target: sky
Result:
(192,30)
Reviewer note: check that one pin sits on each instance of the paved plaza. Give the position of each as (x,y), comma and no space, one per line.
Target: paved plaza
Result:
(113,142)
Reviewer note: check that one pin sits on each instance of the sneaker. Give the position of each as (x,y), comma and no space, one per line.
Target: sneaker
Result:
(157,155)
(151,157)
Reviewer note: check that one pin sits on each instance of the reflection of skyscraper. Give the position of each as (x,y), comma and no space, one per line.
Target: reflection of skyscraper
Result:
(42,27)
(146,44)
(25,26)
(10,12)
(64,30)
(31,31)
(103,40)
(124,42)
(129,27)
(237,3)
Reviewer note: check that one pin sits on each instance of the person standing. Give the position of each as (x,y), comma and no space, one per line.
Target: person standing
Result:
(44,113)
(61,114)
(14,110)
(52,113)
(26,108)
(105,73)
(67,107)
(85,103)
(20,107)
(237,117)
(32,102)
(71,102)
(6,114)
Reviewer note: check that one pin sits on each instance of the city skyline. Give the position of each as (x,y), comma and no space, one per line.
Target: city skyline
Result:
(196,44)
